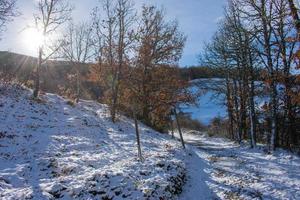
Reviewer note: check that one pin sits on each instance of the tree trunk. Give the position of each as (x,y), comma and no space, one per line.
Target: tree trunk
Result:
(273,139)
(267,32)
(37,74)
(114,98)
(243,111)
(252,122)
(251,101)
(229,108)
(138,137)
(237,113)
(179,128)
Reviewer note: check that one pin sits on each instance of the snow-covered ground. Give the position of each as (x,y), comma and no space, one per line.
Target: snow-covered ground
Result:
(51,149)
(222,169)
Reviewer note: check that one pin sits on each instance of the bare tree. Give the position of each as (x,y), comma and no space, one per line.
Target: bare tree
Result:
(125,18)
(217,55)
(259,17)
(104,29)
(244,55)
(255,49)
(77,48)
(283,30)
(7,12)
(231,52)
(114,34)
(52,14)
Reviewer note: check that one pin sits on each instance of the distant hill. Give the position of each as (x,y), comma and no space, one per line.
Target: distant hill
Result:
(55,75)
(199,72)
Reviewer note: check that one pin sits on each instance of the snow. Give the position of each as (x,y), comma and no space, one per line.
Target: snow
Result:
(51,149)
(225,170)
(197,187)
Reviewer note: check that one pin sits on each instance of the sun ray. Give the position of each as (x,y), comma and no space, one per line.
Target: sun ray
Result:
(33,39)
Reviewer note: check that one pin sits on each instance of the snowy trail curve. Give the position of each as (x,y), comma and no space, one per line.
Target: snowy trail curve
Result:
(221,169)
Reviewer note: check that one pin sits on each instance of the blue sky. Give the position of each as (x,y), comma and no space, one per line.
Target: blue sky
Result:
(197,19)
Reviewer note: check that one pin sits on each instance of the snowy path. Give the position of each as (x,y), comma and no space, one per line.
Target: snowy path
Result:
(221,169)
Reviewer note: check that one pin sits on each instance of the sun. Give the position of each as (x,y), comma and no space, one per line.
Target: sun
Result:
(33,39)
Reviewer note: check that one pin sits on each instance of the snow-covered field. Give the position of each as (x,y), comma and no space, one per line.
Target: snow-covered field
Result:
(229,171)
(53,150)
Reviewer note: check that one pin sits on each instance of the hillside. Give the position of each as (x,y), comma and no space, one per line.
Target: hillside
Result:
(56,76)
(50,149)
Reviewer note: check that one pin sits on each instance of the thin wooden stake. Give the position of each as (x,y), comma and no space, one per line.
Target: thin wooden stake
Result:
(179,128)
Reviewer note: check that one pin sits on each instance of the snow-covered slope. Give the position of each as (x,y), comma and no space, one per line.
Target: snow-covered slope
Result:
(51,149)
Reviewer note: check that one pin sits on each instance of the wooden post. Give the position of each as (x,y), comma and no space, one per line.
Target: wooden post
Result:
(179,128)
(138,136)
